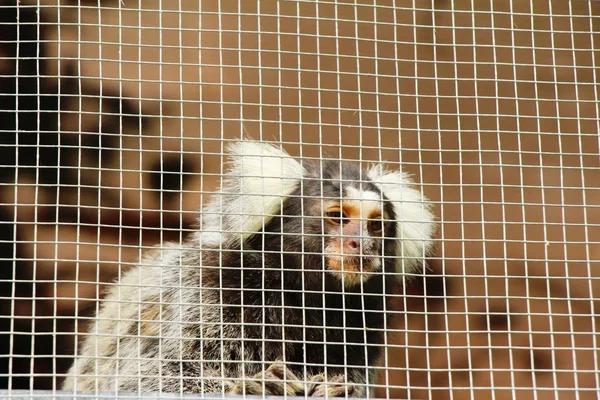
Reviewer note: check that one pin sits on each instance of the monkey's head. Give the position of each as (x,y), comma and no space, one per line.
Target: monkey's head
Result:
(342,223)
(329,215)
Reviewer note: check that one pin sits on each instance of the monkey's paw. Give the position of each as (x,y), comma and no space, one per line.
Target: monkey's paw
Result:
(335,386)
(277,380)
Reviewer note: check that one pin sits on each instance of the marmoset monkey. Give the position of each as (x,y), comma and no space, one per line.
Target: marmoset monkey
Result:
(285,289)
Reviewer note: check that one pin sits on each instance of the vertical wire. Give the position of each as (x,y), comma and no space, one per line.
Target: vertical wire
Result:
(120,112)
(439,124)
(161,131)
(141,195)
(340,198)
(15,251)
(281,230)
(418,130)
(520,152)
(562,189)
(280,124)
(543,201)
(58,184)
(481,186)
(420,150)
(462,215)
(36,197)
(387,384)
(263,212)
(15,255)
(79,143)
(503,213)
(385,345)
(119,168)
(258,213)
(320,177)
(202,205)
(360,183)
(593,309)
(181,188)
(301,153)
(219,16)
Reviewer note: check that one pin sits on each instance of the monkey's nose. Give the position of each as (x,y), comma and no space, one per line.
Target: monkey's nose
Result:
(351,246)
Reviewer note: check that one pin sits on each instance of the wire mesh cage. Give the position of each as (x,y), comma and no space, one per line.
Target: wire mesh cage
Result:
(391,199)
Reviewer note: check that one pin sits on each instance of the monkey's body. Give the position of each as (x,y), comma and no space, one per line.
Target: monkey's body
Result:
(181,330)
(222,313)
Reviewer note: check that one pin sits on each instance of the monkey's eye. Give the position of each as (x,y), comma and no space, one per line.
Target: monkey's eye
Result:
(376,226)
(335,216)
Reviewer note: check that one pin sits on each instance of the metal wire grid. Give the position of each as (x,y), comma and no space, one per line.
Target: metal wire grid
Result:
(493,107)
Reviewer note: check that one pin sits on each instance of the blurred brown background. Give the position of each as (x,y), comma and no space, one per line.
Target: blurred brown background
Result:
(491,105)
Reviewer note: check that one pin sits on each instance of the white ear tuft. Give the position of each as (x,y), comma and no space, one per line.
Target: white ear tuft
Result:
(416,225)
(260,177)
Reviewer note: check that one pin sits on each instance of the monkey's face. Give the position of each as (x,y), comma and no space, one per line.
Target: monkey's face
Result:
(339,223)
(354,229)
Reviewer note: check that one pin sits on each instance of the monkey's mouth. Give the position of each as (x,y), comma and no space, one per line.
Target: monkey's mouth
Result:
(352,263)
(353,269)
